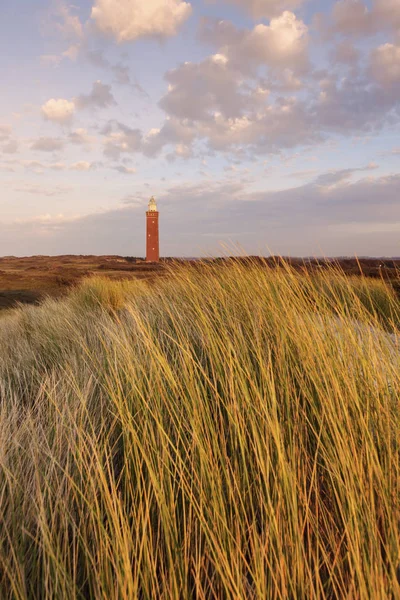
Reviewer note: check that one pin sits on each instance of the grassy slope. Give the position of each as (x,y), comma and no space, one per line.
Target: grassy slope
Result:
(227,432)
(29,280)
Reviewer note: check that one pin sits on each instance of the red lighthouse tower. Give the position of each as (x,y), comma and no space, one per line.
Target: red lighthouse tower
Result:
(152,238)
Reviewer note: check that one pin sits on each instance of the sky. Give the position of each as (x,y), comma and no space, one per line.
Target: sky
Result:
(261,126)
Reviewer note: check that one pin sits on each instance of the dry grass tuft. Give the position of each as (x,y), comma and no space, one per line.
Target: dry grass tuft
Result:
(228,432)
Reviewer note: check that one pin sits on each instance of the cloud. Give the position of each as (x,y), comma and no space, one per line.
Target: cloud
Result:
(284,80)
(128,20)
(361,217)
(5,132)
(122,75)
(82,165)
(62,111)
(54,60)
(72,52)
(81,137)
(266,8)
(65,22)
(224,100)
(30,164)
(59,166)
(40,190)
(58,111)
(387,11)
(234,102)
(119,139)
(100,97)
(39,166)
(306,174)
(355,18)
(125,170)
(346,53)
(48,144)
(215,104)
(283,43)
(198,90)
(11,147)
(120,71)
(215,101)
(351,17)
(180,151)
(336,178)
(385,64)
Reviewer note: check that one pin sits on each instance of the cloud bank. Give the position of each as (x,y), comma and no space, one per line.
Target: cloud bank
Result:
(129,20)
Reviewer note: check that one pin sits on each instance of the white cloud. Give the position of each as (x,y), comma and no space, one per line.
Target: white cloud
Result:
(385,64)
(82,165)
(128,20)
(183,151)
(59,111)
(59,166)
(54,60)
(72,52)
(180,151)
(81,137)
(125,170)
(281,43)
(66,23)
(224,100)
(266,8)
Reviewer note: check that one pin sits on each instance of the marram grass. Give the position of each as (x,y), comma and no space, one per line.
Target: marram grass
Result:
(224,433)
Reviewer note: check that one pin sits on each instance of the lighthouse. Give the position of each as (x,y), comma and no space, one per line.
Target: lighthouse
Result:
(152,239)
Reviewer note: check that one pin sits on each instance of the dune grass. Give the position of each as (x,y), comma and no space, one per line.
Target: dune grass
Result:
(227,432)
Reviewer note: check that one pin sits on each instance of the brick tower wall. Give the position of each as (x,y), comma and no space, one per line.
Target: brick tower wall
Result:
(152,237)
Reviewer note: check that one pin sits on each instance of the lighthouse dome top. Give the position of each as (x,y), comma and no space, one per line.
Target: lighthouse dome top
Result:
(152,204)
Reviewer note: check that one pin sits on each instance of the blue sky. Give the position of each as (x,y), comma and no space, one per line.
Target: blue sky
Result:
(269,124)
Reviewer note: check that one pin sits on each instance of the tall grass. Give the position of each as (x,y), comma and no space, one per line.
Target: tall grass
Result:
(227,432)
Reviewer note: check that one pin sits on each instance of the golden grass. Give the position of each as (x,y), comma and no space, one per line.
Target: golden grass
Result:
(228,432)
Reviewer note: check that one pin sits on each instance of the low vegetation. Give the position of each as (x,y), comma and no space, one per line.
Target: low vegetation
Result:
(29,280)
(227,431)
